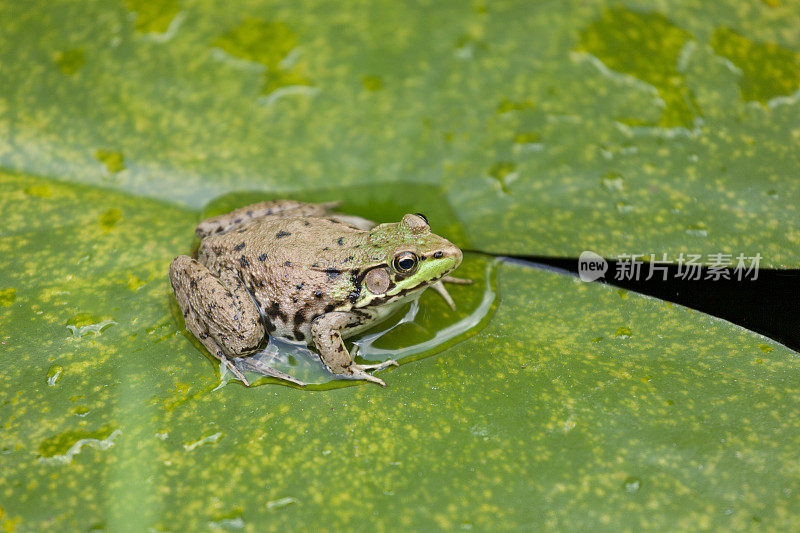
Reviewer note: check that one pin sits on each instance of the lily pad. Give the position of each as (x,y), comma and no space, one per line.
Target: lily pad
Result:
(516,111)
(577,405)
(517,128)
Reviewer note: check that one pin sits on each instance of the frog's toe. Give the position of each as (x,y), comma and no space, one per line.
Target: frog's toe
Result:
(254,365)
(232,368)
(358,373)
(380,366)
(457,281)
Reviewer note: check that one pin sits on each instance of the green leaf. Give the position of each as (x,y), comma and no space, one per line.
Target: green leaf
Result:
(578,404)
(540,129)
(516,111)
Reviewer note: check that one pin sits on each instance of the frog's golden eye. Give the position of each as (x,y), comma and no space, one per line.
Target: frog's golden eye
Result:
(405,263)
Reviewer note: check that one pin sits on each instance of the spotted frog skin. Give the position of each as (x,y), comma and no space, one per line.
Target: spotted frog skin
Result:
(305,273)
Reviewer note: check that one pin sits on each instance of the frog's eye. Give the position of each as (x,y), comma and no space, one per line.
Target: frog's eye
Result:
(423,217)
(405,263)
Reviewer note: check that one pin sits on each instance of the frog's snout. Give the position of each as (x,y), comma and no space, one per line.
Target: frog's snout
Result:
(451,254)
(458,256)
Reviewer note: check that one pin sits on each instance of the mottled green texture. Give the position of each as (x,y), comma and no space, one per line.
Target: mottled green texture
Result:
(533,128)
(692,103)
(646,46)
(152,16)
(768,70)
(578,406)
(268,43)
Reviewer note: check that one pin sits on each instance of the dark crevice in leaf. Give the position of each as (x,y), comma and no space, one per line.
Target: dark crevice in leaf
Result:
(767,305)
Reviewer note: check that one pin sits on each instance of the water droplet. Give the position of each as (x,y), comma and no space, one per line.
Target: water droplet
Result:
(80,410)
(624,208)
(623,333)
(53,374)
(697,230)
(612,181)
(467,45)
(632,484)
(504,172)
(85,323)
(205,440)
(480,430)
(63,447)
(281,503)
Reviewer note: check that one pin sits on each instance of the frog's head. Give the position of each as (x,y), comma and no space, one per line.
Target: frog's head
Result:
(412,258)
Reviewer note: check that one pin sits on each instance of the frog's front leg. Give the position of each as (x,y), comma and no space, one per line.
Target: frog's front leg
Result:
(326,333)
(217,310)
(442,291)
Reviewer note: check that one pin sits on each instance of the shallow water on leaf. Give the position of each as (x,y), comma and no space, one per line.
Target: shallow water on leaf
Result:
(419,329)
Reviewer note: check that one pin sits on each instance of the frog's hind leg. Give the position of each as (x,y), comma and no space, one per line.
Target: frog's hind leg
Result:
(217,310)
(278,208)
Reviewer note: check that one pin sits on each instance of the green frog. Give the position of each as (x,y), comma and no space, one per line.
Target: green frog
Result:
(305,273)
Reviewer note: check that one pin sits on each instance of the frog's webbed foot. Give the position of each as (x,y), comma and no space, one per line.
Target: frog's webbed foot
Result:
(326,332)
(439,288)
(232,367)
(260,367)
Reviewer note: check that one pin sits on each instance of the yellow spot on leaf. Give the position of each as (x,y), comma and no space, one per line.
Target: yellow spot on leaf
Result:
(113,160)
(42,191)
(153,16)
(110,218)
(768,70)
(7,296)
(70,61)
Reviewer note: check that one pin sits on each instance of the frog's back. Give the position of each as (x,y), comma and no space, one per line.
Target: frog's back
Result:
(302,240)
(294,268)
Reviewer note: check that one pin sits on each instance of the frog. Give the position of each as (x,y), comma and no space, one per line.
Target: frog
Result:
(306,273)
